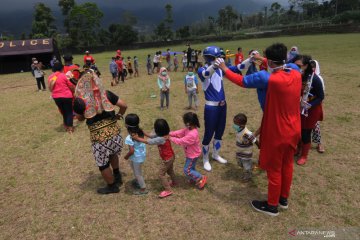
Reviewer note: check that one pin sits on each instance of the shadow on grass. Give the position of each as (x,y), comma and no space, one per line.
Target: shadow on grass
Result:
(240,193)
(154,185)
(60,128)
(93,181)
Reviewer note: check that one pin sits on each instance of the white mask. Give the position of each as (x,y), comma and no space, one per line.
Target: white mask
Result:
(276,68)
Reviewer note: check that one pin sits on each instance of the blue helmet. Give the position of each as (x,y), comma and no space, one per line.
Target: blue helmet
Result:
(210,53)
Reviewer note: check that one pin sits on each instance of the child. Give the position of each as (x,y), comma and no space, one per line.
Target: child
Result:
(168,59)
(113,71)
(166,152)
(188,138)
(164,85)
(129,67)
(176,63)
(137,152)
(124,67)
(244,142)
(136,66)
(148,64)
(120,69)
(193,58)
(156,62)
(191,87)
(184,61)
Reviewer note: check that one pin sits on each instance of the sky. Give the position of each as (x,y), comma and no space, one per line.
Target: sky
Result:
(13,5)
(148,12)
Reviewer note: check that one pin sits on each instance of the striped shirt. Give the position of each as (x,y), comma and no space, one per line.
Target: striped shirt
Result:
(244,142)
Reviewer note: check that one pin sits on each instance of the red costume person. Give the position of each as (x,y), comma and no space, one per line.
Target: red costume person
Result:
(280,126)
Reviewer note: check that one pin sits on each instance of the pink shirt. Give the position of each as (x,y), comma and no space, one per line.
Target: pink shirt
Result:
(189,140)
(62,86)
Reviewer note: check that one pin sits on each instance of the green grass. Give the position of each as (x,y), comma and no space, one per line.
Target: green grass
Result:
(49,178)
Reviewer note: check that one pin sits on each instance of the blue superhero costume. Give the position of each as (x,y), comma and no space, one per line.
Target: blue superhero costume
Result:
(215,105)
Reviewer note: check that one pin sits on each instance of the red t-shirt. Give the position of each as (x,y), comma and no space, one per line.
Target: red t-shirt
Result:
(166,151)
(89,58)
(239,57)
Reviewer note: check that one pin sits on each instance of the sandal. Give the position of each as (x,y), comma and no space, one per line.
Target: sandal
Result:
(165,194)
(320,148)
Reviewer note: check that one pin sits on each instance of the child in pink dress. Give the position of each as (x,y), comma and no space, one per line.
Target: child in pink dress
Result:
(188,138)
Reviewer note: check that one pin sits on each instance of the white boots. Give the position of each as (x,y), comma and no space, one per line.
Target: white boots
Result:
(205,150)
(215,154)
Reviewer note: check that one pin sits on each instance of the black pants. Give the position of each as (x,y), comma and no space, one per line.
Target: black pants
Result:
(41,81)
(120,75)
(306,136)
(65,106)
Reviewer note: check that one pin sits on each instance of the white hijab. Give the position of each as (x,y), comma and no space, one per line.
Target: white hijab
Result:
(317,72)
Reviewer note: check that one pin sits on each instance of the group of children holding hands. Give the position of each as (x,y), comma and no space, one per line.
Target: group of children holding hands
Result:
(188,138)
(120,69)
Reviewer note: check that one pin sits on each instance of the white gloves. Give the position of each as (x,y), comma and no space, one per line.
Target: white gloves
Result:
(218,61)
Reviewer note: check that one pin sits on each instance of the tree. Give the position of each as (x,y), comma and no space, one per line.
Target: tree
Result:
(42,25)
(163,30)
(227,18)
(169,20)
(183,32)
(122,34)
(66,6)
(275,9)
(84,23)
(309,7)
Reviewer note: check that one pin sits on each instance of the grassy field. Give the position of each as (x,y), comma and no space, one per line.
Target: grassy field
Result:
(49,179)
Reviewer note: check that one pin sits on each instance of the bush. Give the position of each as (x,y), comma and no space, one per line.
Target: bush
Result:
(348,17)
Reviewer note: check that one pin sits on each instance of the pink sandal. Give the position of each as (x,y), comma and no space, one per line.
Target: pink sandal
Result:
(165,194)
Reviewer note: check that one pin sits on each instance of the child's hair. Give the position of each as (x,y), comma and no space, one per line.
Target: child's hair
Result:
(241,118)
(306,60)
(174,54)
(134,56)
(113,58)
(148,55)
(192,119)
(132,121)
(128,57)
(161,127)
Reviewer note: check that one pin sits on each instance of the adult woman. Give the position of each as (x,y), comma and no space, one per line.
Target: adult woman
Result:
(97,106)
(39,75)
(311,104)
(164,85)
(62,93)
